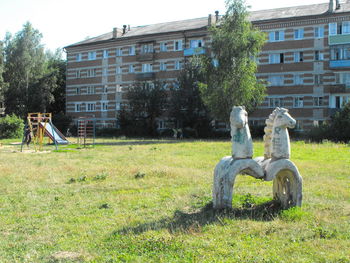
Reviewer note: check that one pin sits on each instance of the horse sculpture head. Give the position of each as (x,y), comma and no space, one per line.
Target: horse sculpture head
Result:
(276,136)
(283,119)
(238,117)
(242,144)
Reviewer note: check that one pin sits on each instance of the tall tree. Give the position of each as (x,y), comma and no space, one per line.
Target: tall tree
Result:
(231,72)
(24,67)
(186,104)
(2,82)
(146,102)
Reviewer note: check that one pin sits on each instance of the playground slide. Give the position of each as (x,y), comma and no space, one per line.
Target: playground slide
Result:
(54,133)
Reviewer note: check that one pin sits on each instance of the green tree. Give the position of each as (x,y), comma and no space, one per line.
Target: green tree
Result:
(146,102)
(2,82)
(231,72)
(186,104)
(24,67)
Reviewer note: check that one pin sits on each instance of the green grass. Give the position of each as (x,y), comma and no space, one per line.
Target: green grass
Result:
(150,201)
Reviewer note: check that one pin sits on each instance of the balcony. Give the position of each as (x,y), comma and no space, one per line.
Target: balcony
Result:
(145,76)
(339,63)
(145,57)
(339,39)
(194,51)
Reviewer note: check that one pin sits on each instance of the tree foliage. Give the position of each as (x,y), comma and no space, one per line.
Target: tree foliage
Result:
(231,77)
(186,104)
(146,102)
(337,129)
(36,79)
(11,126)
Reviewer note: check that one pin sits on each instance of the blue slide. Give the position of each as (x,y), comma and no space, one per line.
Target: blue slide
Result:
(54,133)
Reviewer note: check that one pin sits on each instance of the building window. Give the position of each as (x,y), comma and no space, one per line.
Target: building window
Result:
(342,78)
(105,54)
(340,52)
(276,58)
(318,55)
(91,90)
(163,46)
(161,124)
(275,102)
(78,91)
(131,69)
(118,88)
(78,57)
(119,52)
(147,48)
(318,101)
(298,79)
(276,36)
(299,126)
(332,29)
(195,43)
(105,89)
(91,73)
(298,56)
(104,106)
(147,68)
(177,45)
(131,50)
(78,107)
(105,71)
(92,55)
(77,74)
(318,79)
(276,80)
(162,66)
(298,33)
(117,106)
(298,102)
(319,32)
(178,65)
(345,27)
(118,70)
(91,107)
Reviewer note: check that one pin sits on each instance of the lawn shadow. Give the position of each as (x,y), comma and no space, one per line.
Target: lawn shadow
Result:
(184,222)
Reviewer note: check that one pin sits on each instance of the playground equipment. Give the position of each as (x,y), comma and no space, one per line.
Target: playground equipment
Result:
(86,131)
(40,124)
(273,166)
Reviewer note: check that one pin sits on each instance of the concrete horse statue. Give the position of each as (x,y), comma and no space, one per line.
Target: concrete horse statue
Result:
(240,162)
(287,182)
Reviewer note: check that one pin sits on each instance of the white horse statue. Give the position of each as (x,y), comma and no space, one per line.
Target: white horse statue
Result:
(242,143)
(287,182)
(276,138)
(240,162)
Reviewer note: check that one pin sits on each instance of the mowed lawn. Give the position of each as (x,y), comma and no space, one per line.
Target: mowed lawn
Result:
(150,201)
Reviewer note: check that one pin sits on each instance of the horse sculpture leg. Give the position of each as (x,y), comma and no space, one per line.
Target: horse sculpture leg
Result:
(225,174)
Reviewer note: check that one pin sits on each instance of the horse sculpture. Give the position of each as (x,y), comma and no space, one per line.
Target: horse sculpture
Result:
(240,162)
(274,165)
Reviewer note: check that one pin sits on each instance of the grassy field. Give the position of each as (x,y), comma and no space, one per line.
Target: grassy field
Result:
(150,201)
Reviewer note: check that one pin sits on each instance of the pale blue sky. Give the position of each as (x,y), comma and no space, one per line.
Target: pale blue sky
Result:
(64,22)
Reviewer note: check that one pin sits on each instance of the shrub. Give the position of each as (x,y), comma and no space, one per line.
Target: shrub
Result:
(11,126)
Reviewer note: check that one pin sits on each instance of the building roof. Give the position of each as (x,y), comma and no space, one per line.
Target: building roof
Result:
(296,12)
(198,23)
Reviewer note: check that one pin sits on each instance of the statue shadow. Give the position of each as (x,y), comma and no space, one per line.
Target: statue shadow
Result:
(193,222)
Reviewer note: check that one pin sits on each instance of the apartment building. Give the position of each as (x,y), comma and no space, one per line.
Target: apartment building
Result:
(305,62)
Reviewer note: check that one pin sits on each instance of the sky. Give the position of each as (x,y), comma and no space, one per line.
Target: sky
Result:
(64,22)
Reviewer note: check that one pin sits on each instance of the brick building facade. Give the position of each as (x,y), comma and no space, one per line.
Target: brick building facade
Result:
(306,62)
